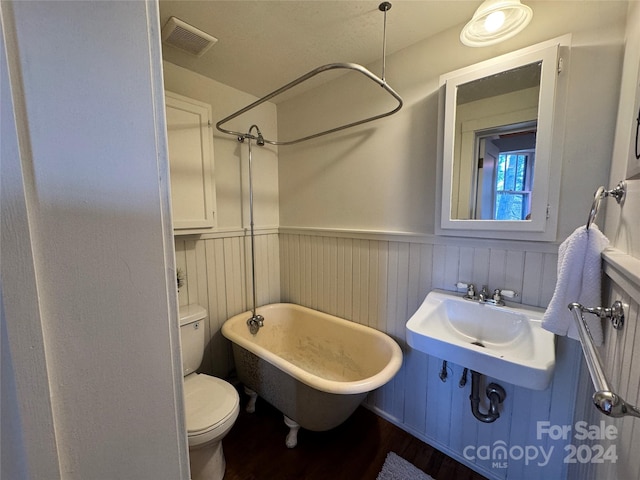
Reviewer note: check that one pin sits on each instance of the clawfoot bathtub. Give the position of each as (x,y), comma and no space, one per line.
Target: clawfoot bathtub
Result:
(313,367)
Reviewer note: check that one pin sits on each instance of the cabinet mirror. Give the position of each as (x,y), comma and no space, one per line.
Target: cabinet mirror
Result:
(497,146)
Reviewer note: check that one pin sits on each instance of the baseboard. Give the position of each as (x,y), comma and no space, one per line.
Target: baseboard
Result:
(433,442)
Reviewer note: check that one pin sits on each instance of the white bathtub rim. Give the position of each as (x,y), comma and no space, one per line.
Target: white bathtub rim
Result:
(329,386)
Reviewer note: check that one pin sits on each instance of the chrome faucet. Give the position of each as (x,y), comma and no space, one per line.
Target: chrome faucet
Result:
(493,299)
(497,297)
(471,292)
(483,295)
(255,323)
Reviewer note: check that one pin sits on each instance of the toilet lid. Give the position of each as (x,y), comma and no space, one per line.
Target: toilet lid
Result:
(209,401)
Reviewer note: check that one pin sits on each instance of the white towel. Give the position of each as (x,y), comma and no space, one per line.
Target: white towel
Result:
(579,280)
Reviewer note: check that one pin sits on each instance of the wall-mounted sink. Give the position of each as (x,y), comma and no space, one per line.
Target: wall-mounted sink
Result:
(503,342)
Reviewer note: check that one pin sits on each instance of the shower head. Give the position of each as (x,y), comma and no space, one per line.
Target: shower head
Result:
(259,139)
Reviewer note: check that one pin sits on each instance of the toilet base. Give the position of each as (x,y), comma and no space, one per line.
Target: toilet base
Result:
(207,463)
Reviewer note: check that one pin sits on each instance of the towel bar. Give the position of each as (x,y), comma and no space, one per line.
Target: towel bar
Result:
(605,400)
(601,192)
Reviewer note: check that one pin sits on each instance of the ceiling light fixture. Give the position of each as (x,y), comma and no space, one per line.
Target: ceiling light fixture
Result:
(495,21)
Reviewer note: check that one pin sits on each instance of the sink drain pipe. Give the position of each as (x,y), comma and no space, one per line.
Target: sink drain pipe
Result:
(495,393)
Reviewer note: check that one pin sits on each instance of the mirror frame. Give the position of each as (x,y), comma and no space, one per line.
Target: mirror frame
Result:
(545,196)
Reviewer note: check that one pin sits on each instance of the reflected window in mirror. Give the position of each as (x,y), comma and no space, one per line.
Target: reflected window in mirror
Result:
(505,165)
(513,190)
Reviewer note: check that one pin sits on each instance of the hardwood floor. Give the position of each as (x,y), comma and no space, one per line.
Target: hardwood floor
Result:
(255,450)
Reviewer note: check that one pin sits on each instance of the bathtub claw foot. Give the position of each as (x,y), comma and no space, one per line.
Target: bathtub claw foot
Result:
(253,396)
(292,436)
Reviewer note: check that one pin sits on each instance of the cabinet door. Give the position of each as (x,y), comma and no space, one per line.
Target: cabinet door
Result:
(191,163)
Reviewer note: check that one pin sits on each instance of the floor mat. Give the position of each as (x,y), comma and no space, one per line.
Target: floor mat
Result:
(397,468)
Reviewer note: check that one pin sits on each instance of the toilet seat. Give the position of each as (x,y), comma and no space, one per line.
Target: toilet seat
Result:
(211,406)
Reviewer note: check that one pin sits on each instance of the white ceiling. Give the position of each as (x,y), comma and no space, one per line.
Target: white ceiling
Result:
(264,44)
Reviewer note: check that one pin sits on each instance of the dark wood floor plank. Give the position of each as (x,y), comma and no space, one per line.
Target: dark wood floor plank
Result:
(255,450)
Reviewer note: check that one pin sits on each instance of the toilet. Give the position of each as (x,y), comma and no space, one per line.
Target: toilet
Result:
(211,404)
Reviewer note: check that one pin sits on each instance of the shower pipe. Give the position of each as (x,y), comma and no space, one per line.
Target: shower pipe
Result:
(256,321)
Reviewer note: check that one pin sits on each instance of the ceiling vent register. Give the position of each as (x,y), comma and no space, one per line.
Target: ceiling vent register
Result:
(186,37)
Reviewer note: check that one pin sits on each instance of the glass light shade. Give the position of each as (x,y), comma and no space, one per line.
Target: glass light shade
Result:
(495,21)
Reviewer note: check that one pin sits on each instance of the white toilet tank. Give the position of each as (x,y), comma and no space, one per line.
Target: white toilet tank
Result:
(192,337)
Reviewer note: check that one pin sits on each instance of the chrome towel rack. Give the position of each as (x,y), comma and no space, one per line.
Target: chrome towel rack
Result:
(601,192)
(605,399)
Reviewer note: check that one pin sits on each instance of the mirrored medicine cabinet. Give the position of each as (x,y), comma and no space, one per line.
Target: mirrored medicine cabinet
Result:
(501,146)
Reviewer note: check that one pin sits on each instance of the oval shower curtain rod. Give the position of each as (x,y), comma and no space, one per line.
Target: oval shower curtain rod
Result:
(384,7)
(313,73)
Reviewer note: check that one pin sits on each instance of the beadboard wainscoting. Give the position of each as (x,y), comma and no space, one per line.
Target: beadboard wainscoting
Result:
(217,271)
(620,356)
(380,279)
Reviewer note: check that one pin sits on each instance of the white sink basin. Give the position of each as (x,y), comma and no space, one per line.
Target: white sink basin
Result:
(506,343)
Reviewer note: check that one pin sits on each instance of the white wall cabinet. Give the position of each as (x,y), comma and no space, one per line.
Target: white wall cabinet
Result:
(191,163)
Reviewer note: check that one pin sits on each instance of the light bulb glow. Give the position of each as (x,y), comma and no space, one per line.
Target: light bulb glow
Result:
(494,21)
